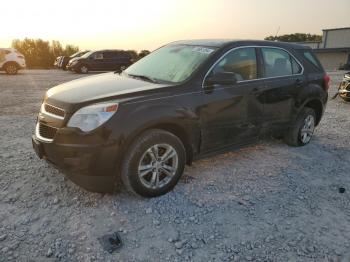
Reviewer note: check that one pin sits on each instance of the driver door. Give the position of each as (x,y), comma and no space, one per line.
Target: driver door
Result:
(232,114)
(97,62)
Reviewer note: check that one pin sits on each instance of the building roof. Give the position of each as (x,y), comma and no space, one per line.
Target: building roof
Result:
(340,28)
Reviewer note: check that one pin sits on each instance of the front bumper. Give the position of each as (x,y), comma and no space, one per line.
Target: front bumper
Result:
(71,67)
(91,165)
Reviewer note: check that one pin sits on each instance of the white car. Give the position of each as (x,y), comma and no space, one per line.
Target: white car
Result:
(11,60)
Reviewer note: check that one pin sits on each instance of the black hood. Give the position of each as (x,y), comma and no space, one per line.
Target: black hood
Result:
(100,87)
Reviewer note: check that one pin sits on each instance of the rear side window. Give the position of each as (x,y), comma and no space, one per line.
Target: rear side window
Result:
(241,62)
(122,55)
(108,55)
(312,59)
(277,62)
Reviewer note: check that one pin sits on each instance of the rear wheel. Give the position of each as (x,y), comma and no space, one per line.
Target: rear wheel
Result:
(302,131)
(11,69)
(154,163)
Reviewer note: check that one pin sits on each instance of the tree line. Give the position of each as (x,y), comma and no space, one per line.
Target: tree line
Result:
(42,54)
(297,37)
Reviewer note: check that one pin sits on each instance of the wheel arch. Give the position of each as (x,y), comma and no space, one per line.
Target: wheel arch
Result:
(10,63)
(317,106)
(174,128)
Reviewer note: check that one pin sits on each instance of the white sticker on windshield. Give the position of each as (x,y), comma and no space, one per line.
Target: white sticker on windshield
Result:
(203,50)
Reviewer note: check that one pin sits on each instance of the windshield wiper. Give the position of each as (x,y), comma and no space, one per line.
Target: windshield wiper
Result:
(142,77)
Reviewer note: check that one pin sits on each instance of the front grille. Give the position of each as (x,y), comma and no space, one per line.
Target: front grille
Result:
(46,131)
(54,110)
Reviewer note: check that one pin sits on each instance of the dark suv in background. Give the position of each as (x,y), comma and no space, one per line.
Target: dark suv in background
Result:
(64,60)
(103,60)
(185,100)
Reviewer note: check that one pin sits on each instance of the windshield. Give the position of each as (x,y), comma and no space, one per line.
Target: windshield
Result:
(173,63)
(87,54)
(78,54)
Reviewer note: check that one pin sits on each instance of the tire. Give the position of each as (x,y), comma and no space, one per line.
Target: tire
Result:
(11,69)
(306,120)
(83,69)
(143,175)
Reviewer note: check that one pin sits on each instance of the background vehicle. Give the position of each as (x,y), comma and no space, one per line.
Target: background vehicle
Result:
(11,60)
(185,100)
(64,60)
(57,61)
(344,87)
(103,60)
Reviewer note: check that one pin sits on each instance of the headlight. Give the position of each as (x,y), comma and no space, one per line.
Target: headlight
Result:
(74,62)
(90,117)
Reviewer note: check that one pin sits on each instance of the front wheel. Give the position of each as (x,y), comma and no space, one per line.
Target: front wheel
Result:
(83,69)
(301,133)
(11,69)
(154,163)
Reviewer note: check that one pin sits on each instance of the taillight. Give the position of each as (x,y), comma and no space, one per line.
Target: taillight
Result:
(327,81)
(21,57)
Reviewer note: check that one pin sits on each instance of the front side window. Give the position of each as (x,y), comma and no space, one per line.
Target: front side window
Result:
(172,63)
(241,62)
(98,56)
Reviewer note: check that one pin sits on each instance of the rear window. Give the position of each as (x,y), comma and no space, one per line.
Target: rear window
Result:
(311,58)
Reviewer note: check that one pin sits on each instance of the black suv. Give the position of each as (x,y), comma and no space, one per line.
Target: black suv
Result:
(103,60)
(181,102)
(64,60)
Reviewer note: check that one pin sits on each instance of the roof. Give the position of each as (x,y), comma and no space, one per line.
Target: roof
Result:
(228,42)
(331,50)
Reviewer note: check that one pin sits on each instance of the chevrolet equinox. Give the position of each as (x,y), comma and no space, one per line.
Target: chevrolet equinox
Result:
(185,100)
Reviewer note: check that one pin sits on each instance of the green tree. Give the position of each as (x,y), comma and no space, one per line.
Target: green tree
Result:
(297,37)
(133,54)
(70,49)
(40,53)
(143,53)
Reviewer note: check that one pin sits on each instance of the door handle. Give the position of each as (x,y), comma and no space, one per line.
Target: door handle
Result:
(299,82)
(255,90)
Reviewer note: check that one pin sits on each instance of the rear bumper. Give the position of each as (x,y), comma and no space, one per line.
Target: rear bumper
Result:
(90,166)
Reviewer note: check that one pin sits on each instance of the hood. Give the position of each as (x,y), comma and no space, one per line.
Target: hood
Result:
(73,59)
(97,87)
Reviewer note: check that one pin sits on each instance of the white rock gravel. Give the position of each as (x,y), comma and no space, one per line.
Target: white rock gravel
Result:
(266,202)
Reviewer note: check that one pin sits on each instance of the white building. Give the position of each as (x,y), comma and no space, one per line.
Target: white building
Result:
(334,50)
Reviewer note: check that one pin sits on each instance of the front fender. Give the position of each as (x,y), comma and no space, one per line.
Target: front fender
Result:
(135,118)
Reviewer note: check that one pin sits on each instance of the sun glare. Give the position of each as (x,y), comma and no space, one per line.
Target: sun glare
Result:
(138,24)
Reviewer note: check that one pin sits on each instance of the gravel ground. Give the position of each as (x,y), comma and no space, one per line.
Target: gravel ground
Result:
(267,202)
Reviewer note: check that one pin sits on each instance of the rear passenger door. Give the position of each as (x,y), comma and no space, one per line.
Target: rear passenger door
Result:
(284,79)
(109,60)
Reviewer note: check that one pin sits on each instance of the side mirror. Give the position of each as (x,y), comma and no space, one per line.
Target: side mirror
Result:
(221,78)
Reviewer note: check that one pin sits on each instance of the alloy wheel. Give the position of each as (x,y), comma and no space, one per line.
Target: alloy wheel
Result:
(11,69)
(158,165)
(307,130)
(84,69)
